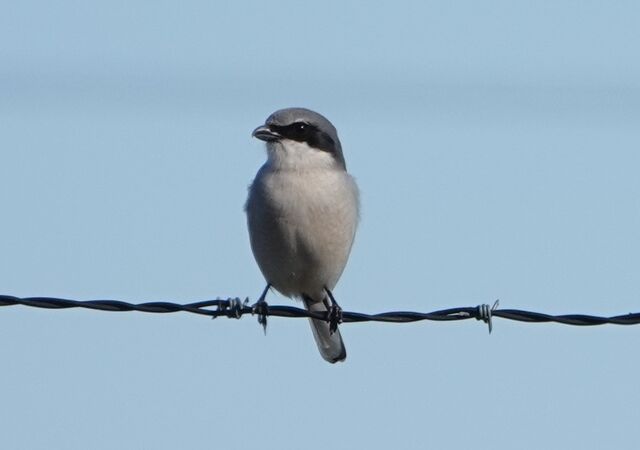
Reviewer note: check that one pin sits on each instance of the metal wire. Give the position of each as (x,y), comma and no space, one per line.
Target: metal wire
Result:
(236,308)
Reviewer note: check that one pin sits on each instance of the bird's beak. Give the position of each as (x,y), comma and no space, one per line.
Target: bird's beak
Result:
(264,133)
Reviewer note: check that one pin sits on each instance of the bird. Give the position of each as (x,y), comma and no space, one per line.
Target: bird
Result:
(302,214)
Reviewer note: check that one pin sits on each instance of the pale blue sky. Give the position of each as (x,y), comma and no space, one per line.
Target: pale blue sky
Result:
(497,149)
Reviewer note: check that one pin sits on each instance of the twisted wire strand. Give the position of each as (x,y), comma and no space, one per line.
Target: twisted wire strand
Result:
(236,308)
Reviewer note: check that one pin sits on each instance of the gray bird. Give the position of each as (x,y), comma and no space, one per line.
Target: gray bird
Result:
(302,214)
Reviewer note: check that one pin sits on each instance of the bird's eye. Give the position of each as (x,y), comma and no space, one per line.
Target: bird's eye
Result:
(297,131)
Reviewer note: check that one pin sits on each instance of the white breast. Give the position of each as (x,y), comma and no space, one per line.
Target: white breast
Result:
(302,213)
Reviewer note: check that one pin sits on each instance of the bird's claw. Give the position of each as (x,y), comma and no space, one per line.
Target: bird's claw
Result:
(261,309)
(334,312)
(334,317)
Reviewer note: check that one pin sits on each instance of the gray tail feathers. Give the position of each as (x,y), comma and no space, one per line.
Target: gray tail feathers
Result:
(330,345)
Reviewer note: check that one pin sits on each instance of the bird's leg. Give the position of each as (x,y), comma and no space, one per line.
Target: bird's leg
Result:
(334,312)
(261,308)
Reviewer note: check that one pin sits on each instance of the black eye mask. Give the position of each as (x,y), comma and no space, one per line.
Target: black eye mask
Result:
(304,132)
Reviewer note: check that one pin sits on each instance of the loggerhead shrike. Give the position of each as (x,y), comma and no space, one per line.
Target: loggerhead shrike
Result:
(302,214)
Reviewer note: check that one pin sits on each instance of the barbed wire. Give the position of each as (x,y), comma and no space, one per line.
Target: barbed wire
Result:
(236,308)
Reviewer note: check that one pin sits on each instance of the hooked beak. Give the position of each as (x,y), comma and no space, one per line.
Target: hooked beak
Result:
(264,133)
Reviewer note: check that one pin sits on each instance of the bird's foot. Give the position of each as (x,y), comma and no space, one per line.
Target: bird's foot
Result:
(334,312)
(261,309)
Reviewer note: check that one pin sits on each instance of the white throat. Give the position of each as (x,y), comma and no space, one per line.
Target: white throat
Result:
(287,154)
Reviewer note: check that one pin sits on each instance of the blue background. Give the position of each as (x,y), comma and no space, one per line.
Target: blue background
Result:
(497,148)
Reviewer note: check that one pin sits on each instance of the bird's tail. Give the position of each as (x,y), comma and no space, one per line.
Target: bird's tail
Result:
(330,345)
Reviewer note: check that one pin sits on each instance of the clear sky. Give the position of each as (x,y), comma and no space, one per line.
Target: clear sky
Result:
(497,148)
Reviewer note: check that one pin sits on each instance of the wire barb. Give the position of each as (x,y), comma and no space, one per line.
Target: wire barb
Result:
(485,312)
(232,308)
